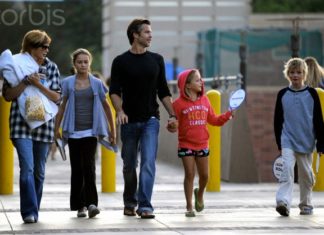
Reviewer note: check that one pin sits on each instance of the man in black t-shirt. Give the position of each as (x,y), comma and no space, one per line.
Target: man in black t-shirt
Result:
(137,79)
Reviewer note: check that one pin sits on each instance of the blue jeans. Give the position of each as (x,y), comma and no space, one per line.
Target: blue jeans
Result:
(139,137)
(32,158)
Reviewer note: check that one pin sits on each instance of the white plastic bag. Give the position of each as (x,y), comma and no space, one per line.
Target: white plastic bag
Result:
(50,108)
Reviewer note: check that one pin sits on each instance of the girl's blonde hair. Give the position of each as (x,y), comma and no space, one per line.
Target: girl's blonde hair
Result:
(80,51)
(295,63)
(315,72)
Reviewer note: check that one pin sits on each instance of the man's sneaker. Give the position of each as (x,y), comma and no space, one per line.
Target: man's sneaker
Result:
(306,211)
(93,211)
(82,212)
(29,219)
(282,209)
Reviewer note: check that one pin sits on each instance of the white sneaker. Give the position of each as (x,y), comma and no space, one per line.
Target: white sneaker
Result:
(93,211)
(82,212)
(29,219)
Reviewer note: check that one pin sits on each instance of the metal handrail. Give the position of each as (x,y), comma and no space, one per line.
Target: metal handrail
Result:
(219,81)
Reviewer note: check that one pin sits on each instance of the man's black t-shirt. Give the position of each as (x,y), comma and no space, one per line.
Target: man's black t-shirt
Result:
(138,79)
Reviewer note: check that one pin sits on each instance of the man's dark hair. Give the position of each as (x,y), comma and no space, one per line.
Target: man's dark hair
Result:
(135,27)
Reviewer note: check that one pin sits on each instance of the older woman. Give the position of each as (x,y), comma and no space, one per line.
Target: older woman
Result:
(32,145)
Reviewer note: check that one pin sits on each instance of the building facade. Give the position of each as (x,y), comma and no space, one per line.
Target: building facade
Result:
(175,24)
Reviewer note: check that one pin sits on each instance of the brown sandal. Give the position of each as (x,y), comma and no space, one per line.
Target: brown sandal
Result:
(129,211)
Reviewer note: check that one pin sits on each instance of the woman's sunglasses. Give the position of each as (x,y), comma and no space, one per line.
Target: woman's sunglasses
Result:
(44,47)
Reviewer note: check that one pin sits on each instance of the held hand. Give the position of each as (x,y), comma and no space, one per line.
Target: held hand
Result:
(122,118)
(172,125)
(232,112)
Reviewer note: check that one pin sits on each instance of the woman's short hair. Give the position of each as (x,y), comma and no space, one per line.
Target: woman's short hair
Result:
(135,27)
(34,39)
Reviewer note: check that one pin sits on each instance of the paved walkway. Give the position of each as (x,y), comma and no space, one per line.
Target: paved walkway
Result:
(237,209)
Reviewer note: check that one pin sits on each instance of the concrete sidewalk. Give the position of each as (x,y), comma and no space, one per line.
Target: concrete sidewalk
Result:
(237,209)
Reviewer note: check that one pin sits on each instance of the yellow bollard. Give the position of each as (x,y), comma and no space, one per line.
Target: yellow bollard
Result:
(6,150)
(108,171)
(319,177)
(108,164)
(214,181)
